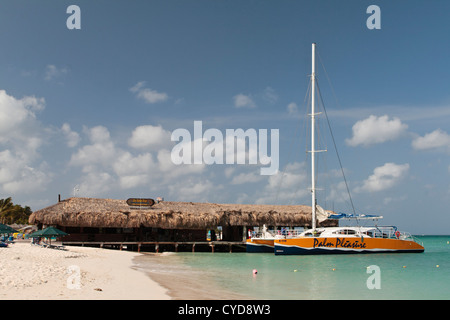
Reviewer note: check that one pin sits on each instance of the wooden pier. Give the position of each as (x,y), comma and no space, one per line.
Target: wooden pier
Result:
(166,246)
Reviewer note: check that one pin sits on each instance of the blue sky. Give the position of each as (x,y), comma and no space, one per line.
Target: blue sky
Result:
(89,112)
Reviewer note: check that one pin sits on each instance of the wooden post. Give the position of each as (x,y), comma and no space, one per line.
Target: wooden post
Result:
(230,246)
(212,248)
(139,247)
(193,247)
(157,248)
(176,247)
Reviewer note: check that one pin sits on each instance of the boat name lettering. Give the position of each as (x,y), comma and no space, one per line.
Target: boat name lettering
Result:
(339,243)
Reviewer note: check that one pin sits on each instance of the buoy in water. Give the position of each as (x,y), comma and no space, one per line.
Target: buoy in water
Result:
(255,271)
(437,266)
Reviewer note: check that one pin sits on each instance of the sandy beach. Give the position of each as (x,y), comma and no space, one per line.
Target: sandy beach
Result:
(32,272)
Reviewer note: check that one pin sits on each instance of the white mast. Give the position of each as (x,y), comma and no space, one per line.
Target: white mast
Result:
(313,147)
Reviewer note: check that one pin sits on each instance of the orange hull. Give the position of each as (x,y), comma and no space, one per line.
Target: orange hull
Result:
(260,245)
(322,245)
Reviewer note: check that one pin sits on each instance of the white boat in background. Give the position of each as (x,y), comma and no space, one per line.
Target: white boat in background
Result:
(263,241)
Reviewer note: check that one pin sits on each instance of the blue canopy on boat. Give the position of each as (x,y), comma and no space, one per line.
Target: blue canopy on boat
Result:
(342,215)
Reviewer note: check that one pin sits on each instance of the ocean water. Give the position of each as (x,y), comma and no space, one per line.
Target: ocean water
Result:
(229,275)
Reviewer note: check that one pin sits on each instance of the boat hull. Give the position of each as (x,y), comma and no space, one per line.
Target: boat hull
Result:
(260,245)
(344,245)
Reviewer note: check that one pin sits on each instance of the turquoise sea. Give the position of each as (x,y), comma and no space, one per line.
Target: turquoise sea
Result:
(375,276)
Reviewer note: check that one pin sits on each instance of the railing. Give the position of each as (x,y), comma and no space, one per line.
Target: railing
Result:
(390,233)
(276,234)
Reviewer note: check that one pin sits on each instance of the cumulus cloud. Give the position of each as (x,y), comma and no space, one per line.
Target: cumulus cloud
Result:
(384,177)
(149,136)
(96,183)
(438,139)
(100,151)
(18,175)
(243,101)
(189,189)
(251,177)
(52,72)
(133,171)
(21,136)
(148,95)
(375,130)
(286,186)
(72,137)
(17,114)
(116,166)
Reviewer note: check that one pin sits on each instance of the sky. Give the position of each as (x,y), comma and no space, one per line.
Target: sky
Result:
(89,111)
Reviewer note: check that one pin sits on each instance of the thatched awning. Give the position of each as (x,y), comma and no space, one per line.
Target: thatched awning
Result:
(90,212)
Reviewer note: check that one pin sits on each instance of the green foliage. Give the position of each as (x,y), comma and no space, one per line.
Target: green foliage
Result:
(13,213)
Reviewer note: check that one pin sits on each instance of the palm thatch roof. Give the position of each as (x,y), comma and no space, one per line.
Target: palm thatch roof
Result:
(91,212)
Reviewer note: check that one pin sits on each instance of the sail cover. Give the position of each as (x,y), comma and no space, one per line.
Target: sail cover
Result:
(322,214)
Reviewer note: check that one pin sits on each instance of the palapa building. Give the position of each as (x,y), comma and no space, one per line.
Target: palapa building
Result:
(108,220)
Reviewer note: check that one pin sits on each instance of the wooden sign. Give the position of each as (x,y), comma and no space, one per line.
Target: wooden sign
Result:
(140,202)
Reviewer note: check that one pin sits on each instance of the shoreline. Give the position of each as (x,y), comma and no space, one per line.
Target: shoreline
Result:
(29,272)
(182,282)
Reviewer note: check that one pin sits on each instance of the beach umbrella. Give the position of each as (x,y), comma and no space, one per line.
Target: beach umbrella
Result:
(50,232)
(6,229)
(35,234)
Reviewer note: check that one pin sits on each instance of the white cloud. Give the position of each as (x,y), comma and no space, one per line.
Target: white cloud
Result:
(251,177)
(438,139)
(148,95)
(149,136)
(287,186)
(375,130)
(292,108)
(72,137)
(52,72)
(100,151)
(384,177)
(270,95)
(21,136)
(17,114)
(113,165)
(193,189)
(133,171)
(17,175)
(171,171)
(96,183)
(243,101)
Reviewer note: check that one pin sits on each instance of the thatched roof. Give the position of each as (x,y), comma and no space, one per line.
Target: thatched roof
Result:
(90,212)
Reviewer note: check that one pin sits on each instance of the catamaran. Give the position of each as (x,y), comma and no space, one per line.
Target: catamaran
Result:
(263,240)
(333,240)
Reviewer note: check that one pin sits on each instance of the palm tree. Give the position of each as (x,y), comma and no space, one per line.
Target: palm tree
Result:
(6,206)
(13,213)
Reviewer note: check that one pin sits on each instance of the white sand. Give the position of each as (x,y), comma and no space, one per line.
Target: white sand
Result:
(31,272)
